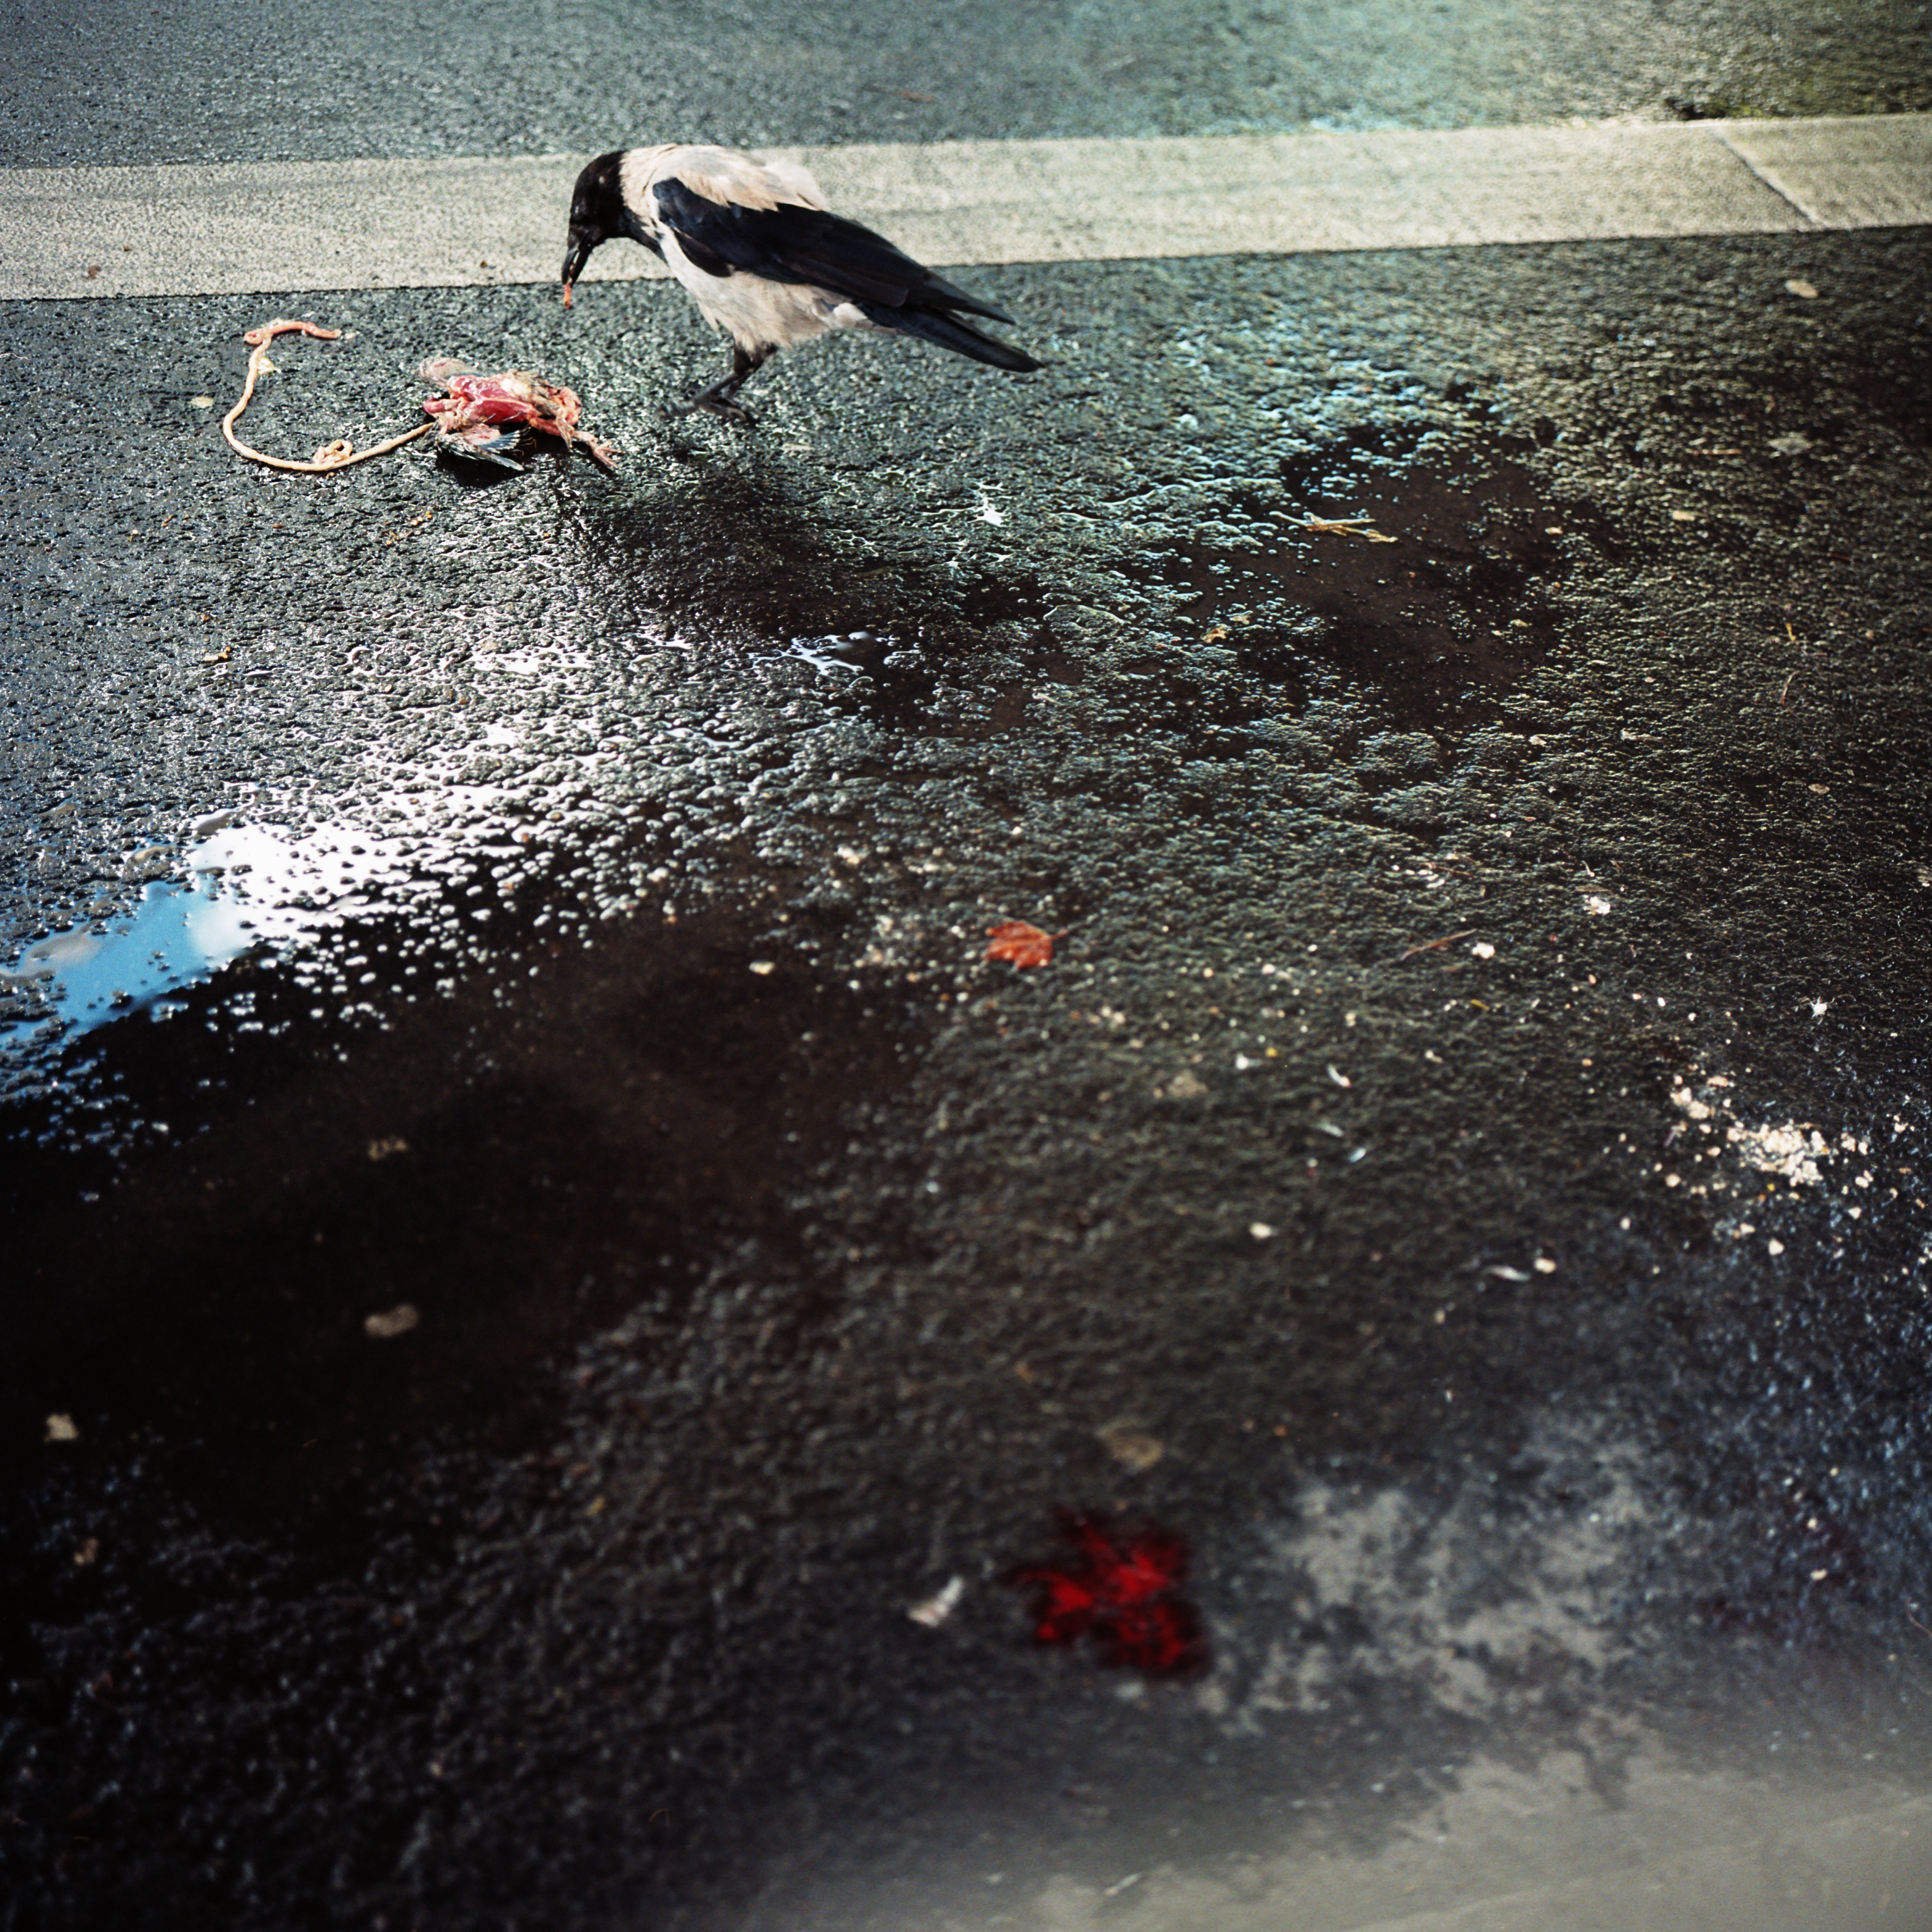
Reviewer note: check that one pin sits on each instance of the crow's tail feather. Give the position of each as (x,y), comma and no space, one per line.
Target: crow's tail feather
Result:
(935,292)
(949,332)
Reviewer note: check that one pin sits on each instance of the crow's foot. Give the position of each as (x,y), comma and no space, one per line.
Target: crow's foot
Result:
(720,399)
(711,404)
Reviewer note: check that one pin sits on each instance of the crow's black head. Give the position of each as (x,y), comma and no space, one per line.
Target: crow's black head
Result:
(596,214)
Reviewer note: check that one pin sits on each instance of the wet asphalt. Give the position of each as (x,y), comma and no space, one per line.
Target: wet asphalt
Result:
(1462,1171)
(314,80)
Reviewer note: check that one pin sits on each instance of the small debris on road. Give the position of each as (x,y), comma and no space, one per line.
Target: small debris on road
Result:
(1023,944)
(1798,287)
(392,1322)
(938,1607)
(60,1429)
(1434,945)
(1130,1445)
(1346,526)
(382,1149)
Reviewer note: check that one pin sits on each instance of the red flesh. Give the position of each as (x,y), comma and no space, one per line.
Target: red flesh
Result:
(1124,1594)
(477,402)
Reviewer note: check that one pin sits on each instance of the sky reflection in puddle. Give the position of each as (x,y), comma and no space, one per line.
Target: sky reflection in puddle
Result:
(177,933)
(248,886)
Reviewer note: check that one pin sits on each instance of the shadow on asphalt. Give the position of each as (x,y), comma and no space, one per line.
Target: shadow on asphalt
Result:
(518,1164)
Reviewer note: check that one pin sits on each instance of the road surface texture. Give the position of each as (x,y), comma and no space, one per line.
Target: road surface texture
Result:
(538,1235)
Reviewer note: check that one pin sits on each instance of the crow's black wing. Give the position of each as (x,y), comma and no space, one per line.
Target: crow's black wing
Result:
(786,244)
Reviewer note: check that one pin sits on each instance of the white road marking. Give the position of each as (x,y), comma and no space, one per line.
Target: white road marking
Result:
(1873,172)
(280,228)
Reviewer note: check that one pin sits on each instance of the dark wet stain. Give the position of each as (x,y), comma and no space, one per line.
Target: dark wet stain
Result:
(1432,587)
(1898,395)
(513,1173)
(1342,1626)
(1788,1555)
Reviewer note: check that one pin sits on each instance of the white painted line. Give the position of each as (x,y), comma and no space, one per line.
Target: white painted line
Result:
(235,229)
(231,228)
(1028,201)
(1875,172)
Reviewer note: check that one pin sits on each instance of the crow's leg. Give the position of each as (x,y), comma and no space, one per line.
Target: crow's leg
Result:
(720,399)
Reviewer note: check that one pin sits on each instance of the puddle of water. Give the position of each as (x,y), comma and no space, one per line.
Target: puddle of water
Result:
(178,933)
(517,1163)
(247,887)
(852,652)
(1427,585)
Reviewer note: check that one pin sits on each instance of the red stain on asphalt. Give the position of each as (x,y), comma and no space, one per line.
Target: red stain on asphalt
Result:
(1024,945)
(1125,1594)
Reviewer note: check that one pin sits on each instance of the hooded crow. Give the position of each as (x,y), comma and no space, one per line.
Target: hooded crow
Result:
(760,254)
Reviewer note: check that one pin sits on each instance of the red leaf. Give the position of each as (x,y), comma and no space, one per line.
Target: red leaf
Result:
(1024,945)
(1125,1594)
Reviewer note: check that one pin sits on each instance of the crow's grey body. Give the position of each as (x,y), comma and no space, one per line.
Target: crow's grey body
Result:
(764,258)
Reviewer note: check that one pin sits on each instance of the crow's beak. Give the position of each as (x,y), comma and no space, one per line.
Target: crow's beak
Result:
(579,253)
